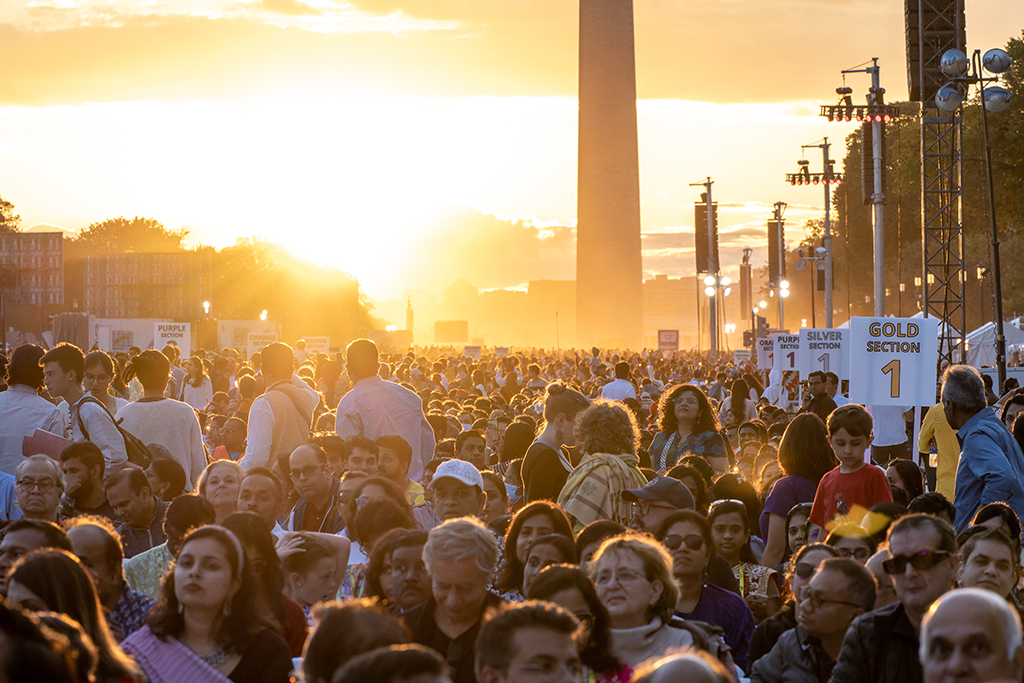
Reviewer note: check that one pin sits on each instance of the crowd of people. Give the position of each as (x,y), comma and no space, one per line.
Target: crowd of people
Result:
(426,517)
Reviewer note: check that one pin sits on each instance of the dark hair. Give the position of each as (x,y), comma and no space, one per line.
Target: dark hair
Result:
(25,367)
(385,545)
(394,664)
(185,513)
(1015,400)
(248,616)
(253,533)
(597,654)
(947,537)
(736,487)
(136,479)
(64,585)
(86,451)
(850,530)
(510,575)
(393,490)
(890,512)
(376,517)
(562,544)
(99,358)
(561,400)
(346,630)
(397,444)
(33,652)
(1003,512)
(726,507)
(69,357)
(851,417)
(800,554)
(911,476)
(172,472)
(932,503)
(703,467)
(82,654)
(860,581)
(518,437)
(494,647)
(759,427)
(354,442)
(152,368)
(55,536)
(701,499)
(595,532)
(693,517)
(707,421)
(497,481)
(805,449)
(362,357)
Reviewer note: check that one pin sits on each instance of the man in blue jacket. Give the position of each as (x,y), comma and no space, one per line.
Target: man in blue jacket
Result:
(991,465)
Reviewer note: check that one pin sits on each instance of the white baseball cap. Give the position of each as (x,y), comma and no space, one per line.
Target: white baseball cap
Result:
(461,471)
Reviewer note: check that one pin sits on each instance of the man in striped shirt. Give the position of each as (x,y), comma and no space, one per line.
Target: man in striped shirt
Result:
(376,408)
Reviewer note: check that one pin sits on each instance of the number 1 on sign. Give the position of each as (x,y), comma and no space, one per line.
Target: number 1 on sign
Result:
(792,359)
(892,368)
(823,359)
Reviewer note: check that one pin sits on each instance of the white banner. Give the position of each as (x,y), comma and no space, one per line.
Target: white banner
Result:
(317,345)
(474,352)
(825,351)
(179,333)
(258,340)
(787,348)
(765,353)
(895,360)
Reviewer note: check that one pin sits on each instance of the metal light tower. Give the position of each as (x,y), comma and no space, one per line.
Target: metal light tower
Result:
(826,179)
(711,221)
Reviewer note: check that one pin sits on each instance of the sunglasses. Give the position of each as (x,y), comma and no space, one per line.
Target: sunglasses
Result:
(692,542)
(725,500)
(805,570)
(926,559)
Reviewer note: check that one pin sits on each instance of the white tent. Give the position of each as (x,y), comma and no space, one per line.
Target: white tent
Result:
(981,343)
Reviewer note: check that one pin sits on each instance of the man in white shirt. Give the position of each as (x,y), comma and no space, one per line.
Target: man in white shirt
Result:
(280,420)
(620,388)
(63,367)
(832,387)
(890,432)
(22,409)
(375,408)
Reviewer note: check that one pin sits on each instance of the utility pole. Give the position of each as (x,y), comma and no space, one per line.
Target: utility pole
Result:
(780,245)
(828,233)
(712,263)
(878,196)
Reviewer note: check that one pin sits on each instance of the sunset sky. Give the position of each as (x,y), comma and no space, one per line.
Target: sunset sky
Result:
(412,142)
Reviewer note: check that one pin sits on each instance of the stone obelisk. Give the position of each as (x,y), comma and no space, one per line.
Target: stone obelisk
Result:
(609,269)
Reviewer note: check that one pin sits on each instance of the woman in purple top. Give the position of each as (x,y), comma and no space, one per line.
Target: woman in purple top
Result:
(805,455)
(687,536)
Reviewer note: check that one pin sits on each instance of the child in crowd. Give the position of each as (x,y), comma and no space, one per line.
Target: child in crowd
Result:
(848,491)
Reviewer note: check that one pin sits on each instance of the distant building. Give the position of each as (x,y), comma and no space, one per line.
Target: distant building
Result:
(166,285)
(671,304)
(32,268)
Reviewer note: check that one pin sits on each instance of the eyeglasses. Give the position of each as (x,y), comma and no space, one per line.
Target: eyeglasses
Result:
(550,670)
(692,542)
(817,600)
(926,559)
(44,486)
(860,554)
(644,508)
(96,378)
(308,472)
(688,402)
(622,578)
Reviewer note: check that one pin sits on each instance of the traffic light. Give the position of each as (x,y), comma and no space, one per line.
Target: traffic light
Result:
(748,338)
(762,326)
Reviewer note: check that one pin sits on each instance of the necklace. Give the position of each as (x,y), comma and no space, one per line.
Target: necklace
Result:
(216,658)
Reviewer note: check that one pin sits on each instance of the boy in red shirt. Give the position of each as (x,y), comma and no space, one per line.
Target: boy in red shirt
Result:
(846,493)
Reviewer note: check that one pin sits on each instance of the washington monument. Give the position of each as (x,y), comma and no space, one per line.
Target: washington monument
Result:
(609,270)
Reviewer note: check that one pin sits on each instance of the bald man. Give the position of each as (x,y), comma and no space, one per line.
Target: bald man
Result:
(971,635)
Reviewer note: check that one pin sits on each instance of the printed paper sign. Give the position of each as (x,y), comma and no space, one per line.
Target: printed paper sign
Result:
(787,348)
(179,333)
(825,351)
(501,351)
(473,352)
(765,353)
(317,345)
(895,359)
(668,340)
(258,340)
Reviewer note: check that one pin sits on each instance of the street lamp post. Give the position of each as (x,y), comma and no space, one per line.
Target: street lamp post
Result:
(949,98)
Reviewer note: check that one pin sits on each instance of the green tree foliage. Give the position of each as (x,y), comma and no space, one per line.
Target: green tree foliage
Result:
(131,235)
(9,221)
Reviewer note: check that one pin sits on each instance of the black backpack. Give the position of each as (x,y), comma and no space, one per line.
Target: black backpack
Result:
(138,452)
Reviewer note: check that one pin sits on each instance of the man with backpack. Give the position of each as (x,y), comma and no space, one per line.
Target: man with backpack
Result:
(63,367)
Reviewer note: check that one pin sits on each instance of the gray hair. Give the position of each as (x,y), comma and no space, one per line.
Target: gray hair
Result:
(1010,618)
(962,386)
(46,460)
(457,539)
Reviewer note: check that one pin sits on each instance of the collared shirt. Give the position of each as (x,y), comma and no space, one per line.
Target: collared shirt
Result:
(618,390)
(129,613)
(991,468)
(22,412)
(144,572)
(99,429)
(138,540)
(9,509)
(375,408)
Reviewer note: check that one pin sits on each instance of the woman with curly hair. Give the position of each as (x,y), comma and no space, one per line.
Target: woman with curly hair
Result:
(688,428)
(608,437)
(805,455)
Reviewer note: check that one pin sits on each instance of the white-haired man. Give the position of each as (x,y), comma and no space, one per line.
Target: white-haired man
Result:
(971,635)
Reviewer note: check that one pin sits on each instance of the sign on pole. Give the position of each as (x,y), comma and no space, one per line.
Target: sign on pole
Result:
(825,351)
(668,340)
(501,351)
(179,333)
(765,353)
(474,352)
(317,345)
(258,340)
(895,361)
(741,356)
(787,348)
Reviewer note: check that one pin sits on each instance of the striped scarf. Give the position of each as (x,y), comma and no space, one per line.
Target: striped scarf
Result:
(593,490)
